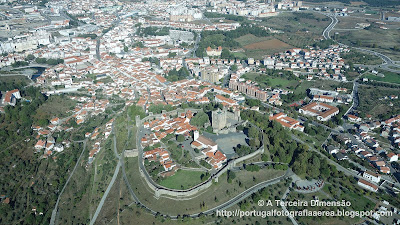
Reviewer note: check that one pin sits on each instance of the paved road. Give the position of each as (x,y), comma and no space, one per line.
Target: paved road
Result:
(346,171)
(246,193)
(100,206)
(224,205)
(54,213)
(388,64)
(328,29)
(93,220)
(284,207)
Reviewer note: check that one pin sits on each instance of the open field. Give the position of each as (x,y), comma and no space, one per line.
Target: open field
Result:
(348,22)
(268,44)
(132,139)
(357,57)
(250,39)
(216,194)
(308,22)
(121,132)
(251,203)
(75,202)
(240,55)
(322,84)
(300,28)
(117,201)
(371,101)
(102,171)
(56,106)
(298,39)
(258,47)
(383,41)
(182,179)
(389,77)
(9,82)
(264,80)
(358,3)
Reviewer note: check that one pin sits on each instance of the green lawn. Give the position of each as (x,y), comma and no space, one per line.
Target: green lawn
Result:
(224,190)
(265,80)
(121,132)
(182,178)
(132,138)
(358,201)
(389,77)
(239,55)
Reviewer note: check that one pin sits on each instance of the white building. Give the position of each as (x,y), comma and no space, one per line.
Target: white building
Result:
(374,177)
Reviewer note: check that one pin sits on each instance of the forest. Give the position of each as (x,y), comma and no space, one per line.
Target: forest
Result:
(16,122)
(282,148)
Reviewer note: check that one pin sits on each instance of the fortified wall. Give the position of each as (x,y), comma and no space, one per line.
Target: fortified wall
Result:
(183,194)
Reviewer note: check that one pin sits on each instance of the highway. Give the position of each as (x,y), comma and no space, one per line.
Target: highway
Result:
(388,64)
(328,29)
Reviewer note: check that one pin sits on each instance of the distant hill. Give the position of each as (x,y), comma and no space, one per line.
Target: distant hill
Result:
(376,3)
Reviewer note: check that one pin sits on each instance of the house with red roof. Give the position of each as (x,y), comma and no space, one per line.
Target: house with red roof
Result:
(353,118)
(286,121)
(392,157)
(213,156)
(55,121)
(367,185)
(40,144)
(10,98)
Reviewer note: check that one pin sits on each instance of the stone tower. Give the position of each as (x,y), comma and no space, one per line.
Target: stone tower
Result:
(237,114)
(218,119)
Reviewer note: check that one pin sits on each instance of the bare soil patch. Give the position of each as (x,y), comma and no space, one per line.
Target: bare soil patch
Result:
(268,44)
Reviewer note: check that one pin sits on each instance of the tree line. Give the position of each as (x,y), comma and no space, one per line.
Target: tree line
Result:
(215,39)
(282,148)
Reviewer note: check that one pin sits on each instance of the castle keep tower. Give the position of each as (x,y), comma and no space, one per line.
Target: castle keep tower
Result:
(218,120)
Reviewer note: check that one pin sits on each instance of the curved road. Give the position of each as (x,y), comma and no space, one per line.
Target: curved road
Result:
(388,62)
(222,206)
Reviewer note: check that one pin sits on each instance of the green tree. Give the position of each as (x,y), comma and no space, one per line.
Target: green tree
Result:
(231,175)
(30,57)
(180,138)
(253,132)
(226,54)
(234,68)
(171,54)
(199,119)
